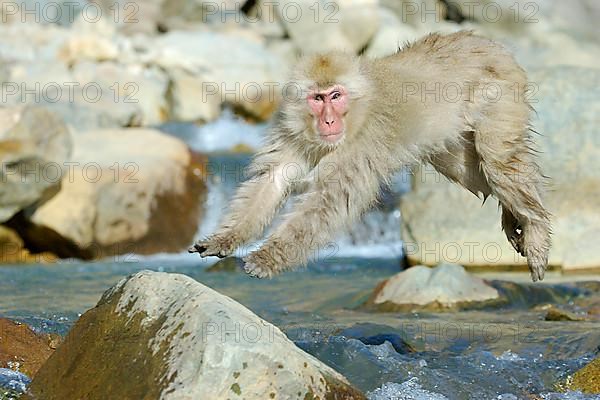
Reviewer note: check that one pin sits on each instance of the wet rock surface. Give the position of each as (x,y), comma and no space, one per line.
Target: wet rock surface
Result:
(586,379)
(166,336)
(23,350)
(445,287)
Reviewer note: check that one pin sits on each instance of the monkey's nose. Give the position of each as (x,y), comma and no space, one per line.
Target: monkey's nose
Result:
(329,122)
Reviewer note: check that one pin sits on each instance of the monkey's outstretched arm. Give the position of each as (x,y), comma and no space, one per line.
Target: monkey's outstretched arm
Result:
(254,204)
(340,191)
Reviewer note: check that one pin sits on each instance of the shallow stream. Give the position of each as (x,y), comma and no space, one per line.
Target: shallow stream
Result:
(509,353)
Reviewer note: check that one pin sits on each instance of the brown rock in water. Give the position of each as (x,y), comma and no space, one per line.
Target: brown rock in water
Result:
(22,349)
(554,313)
(167,336)
(587,379)
(130,191)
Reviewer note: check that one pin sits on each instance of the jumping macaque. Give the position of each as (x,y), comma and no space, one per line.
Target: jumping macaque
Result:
(457,101)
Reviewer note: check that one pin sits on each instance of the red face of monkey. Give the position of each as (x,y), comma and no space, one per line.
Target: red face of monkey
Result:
(329,107)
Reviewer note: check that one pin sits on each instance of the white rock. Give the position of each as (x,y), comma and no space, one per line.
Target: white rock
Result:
(420,14)
(263,17)
(90,41)
(189,99)
(31,42)
(234,69)
(391,36)
(110,188)
(335,25)
(446,285)
(134,93)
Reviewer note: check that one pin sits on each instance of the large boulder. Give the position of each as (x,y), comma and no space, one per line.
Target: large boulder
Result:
(446,287)
(586,379)
(133,190)
(22,349)
(34,144)
(443,222)
(158,335)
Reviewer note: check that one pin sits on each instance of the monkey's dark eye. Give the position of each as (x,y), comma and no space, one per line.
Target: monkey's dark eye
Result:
(335,95)
(319,97)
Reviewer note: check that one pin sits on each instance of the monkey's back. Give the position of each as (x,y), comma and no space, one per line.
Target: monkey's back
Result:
(446,84)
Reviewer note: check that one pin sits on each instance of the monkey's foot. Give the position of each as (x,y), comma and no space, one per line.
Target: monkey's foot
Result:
(259,266)
(537,262)
(257,271)
(220,246)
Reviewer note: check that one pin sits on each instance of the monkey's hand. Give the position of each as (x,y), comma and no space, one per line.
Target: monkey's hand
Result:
(260,264)
(217,245)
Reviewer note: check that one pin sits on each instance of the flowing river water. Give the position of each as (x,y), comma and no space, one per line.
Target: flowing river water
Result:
(506,353)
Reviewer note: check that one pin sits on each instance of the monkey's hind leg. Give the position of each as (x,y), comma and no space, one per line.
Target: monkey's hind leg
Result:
(515,180)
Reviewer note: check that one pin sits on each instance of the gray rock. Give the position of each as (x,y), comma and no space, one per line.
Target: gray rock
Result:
(34,144)
(181,339)
(447,286)
(443,222)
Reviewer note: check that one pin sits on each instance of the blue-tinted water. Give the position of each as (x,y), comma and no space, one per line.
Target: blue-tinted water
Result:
(467,355)
(510,353)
